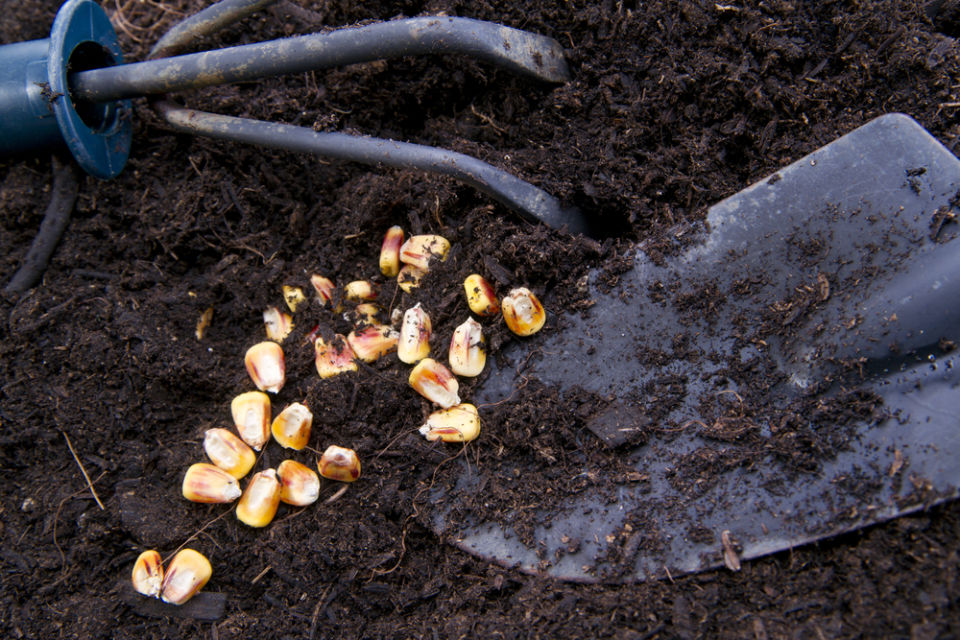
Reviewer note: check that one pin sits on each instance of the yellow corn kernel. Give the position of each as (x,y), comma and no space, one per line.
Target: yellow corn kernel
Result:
(414,342)
(204,322)
(265,365)
(339,463)
(148,574)
(188,572)
(334,358)
(365,313)
(360,291)
(468,349)
(390,252)
(299,485)
(294,297)
(291,429)
(372,342)
(229,452)
(409,277)
(324,288)
(251,416)
(420,251)
(434,382)
(523,312)
(456,424)
(481,297)
(260,500)
(208,483)
(277,323)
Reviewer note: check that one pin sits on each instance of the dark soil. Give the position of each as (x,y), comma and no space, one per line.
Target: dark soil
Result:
(673,106)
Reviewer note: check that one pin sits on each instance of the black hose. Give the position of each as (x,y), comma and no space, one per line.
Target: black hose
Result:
(55,219)
(213,18)
(520,51)
(530,201)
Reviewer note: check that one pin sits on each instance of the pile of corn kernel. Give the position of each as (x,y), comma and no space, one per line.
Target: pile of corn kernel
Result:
(293,483)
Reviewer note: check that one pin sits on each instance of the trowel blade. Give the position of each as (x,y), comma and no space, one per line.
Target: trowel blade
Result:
(837,282)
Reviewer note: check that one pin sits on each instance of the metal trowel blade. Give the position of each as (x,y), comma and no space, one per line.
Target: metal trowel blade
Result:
(831,287)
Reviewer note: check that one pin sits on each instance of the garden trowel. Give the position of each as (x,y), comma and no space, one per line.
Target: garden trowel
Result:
(788,375)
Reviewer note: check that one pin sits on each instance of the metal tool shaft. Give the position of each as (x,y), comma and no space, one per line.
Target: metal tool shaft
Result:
(534,55)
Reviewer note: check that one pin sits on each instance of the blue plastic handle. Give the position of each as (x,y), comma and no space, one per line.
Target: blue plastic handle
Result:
(36,108)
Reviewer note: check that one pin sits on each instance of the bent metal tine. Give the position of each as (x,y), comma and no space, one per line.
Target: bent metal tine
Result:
(520,51)
(522,197)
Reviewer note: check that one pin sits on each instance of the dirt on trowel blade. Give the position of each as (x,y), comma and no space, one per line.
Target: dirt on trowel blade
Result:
(788,376)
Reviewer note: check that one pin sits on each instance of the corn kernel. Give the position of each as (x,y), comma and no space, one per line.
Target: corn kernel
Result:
(468,350)
(372,342)
(409,277)
(299,485)
(294,297)
(148,574)
(324,288)
(434,382)
(365,313)
(209,484)
(339,463)
(390,252)
(334,358)
(460,423)
(481,297)
(251,416)
(229,452)
(260,500)
(414,342)
(265,365)
(188,572)
(420,251)
(360,291)
(277,324)
(523,312)
(204,322)
(291,429)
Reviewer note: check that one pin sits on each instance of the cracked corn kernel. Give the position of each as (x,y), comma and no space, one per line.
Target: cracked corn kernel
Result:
(339,463)
(188,572)
(277,324)
(420,251)
(291,428)
(373,341)
(228,452)
(251,416)
(260,499)
(148,574)
(265,364)
(481,297)
(468,351)
(523,312)
(335,357)
(209,483)
(434,382)
(299,485)
(414,342)
(456,424)
(390,251)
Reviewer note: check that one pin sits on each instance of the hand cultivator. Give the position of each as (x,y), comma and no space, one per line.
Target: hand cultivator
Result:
(829,291)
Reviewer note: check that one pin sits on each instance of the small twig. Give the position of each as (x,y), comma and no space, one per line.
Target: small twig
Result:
(82,470)
(342,490)
(195,534)
(261,574)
